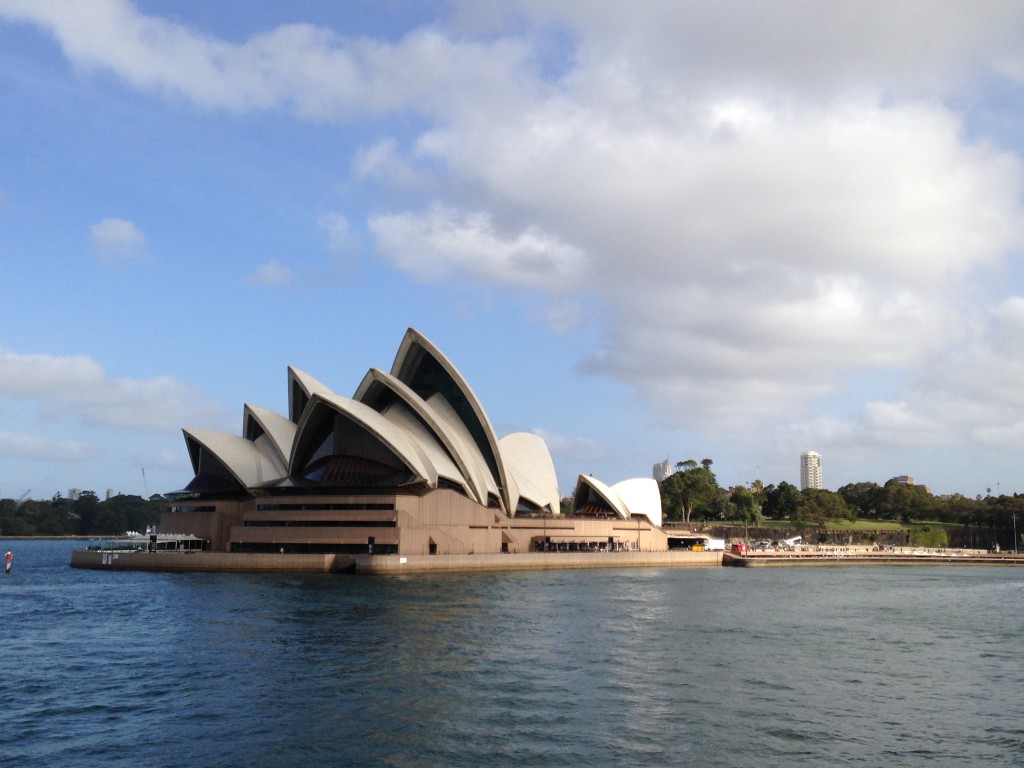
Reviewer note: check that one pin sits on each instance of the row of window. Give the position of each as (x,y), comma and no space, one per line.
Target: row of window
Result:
(299,507)
(319,524)
(314,548)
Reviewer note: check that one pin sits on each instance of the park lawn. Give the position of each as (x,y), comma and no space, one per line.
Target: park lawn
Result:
(866,525)
(841,525)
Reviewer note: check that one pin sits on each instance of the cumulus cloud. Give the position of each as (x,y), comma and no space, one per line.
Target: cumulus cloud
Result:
(118,241)
(754,205)
(442,239)
(571,448)
(341,238)
(77,388)
(39,448)
(300,67)
(271,274)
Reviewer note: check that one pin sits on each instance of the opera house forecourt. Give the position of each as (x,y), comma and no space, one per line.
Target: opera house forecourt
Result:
(405,475)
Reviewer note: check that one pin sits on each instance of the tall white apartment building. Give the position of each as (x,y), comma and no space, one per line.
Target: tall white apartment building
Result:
(662,470)
(810,470)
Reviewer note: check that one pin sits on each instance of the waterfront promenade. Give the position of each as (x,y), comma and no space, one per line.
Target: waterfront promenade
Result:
(395,564)
(384,564)
(826,556)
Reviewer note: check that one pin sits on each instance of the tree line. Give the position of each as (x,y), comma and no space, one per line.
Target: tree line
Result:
(692,494)
(84,516)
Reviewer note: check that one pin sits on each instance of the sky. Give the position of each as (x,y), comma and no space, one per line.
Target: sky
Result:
(717,229)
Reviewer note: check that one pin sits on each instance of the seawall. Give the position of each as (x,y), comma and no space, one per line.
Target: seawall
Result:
(383,564)
(824,559)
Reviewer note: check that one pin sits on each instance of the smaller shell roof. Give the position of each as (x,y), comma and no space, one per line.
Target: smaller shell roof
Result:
(412,352)
(586,484)
(641,496)
(242,458)
(529,465)
(301,387)
(392,437)
(279,430)
(370,390)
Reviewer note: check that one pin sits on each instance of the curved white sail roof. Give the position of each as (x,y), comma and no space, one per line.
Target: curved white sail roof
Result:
(592,491)
(528,461)
(242,458)
(419,424)
(377,389)
(641,496)
(374,438)
(424,368)
(301,387)
(470,450)
(264,425)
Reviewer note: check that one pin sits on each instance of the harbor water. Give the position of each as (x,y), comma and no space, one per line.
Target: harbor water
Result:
(633,667)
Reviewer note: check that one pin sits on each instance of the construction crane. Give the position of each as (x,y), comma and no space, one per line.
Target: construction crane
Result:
(21,500)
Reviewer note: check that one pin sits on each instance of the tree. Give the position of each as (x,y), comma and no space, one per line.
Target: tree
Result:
(818,505)
(897,501)
(86,507)
(689,491)
(780,502)
(864,497)
(745,505)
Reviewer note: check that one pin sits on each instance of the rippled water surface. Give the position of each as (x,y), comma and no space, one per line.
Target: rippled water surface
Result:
(649,667)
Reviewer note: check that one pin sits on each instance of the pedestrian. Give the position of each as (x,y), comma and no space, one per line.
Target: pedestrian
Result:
(9,558)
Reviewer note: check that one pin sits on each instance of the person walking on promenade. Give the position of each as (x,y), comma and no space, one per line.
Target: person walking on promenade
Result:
(9,558)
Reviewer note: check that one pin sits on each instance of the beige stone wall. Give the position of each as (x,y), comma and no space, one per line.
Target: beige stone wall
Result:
(454,524)
(212,526)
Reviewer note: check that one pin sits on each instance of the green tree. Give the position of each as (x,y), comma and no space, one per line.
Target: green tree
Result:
(745,504)
(688,492)
(780,501)
(904,503)
(87,507)
(862,496)
(817,505)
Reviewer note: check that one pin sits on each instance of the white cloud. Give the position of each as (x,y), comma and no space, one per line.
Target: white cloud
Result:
(755,204)
(574,449)
(39,448)
(77,388)
(272,274)
(306,69)
(118,241)
(442,239)
(341,238)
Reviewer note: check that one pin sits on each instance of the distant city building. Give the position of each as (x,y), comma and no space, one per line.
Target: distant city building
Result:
(110,493)
(662,470)
(810,470)
(904,479)
(74,493)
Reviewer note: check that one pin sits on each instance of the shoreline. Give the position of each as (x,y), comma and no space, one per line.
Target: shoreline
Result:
(915,557)
(228,562)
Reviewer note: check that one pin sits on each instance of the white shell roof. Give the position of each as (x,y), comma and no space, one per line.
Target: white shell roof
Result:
(610,497)
(279,430)
(454,443)
(641,496)
(388,434)
(528,461)
(401,369)
(309,387)
(439,431)
(243,458)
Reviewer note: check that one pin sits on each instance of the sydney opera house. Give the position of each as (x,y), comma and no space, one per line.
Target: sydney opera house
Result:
(408,465)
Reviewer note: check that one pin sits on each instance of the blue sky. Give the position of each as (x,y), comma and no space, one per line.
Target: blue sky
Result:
(664,230)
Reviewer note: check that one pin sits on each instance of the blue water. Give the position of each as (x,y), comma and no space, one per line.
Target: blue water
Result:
(650,667)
